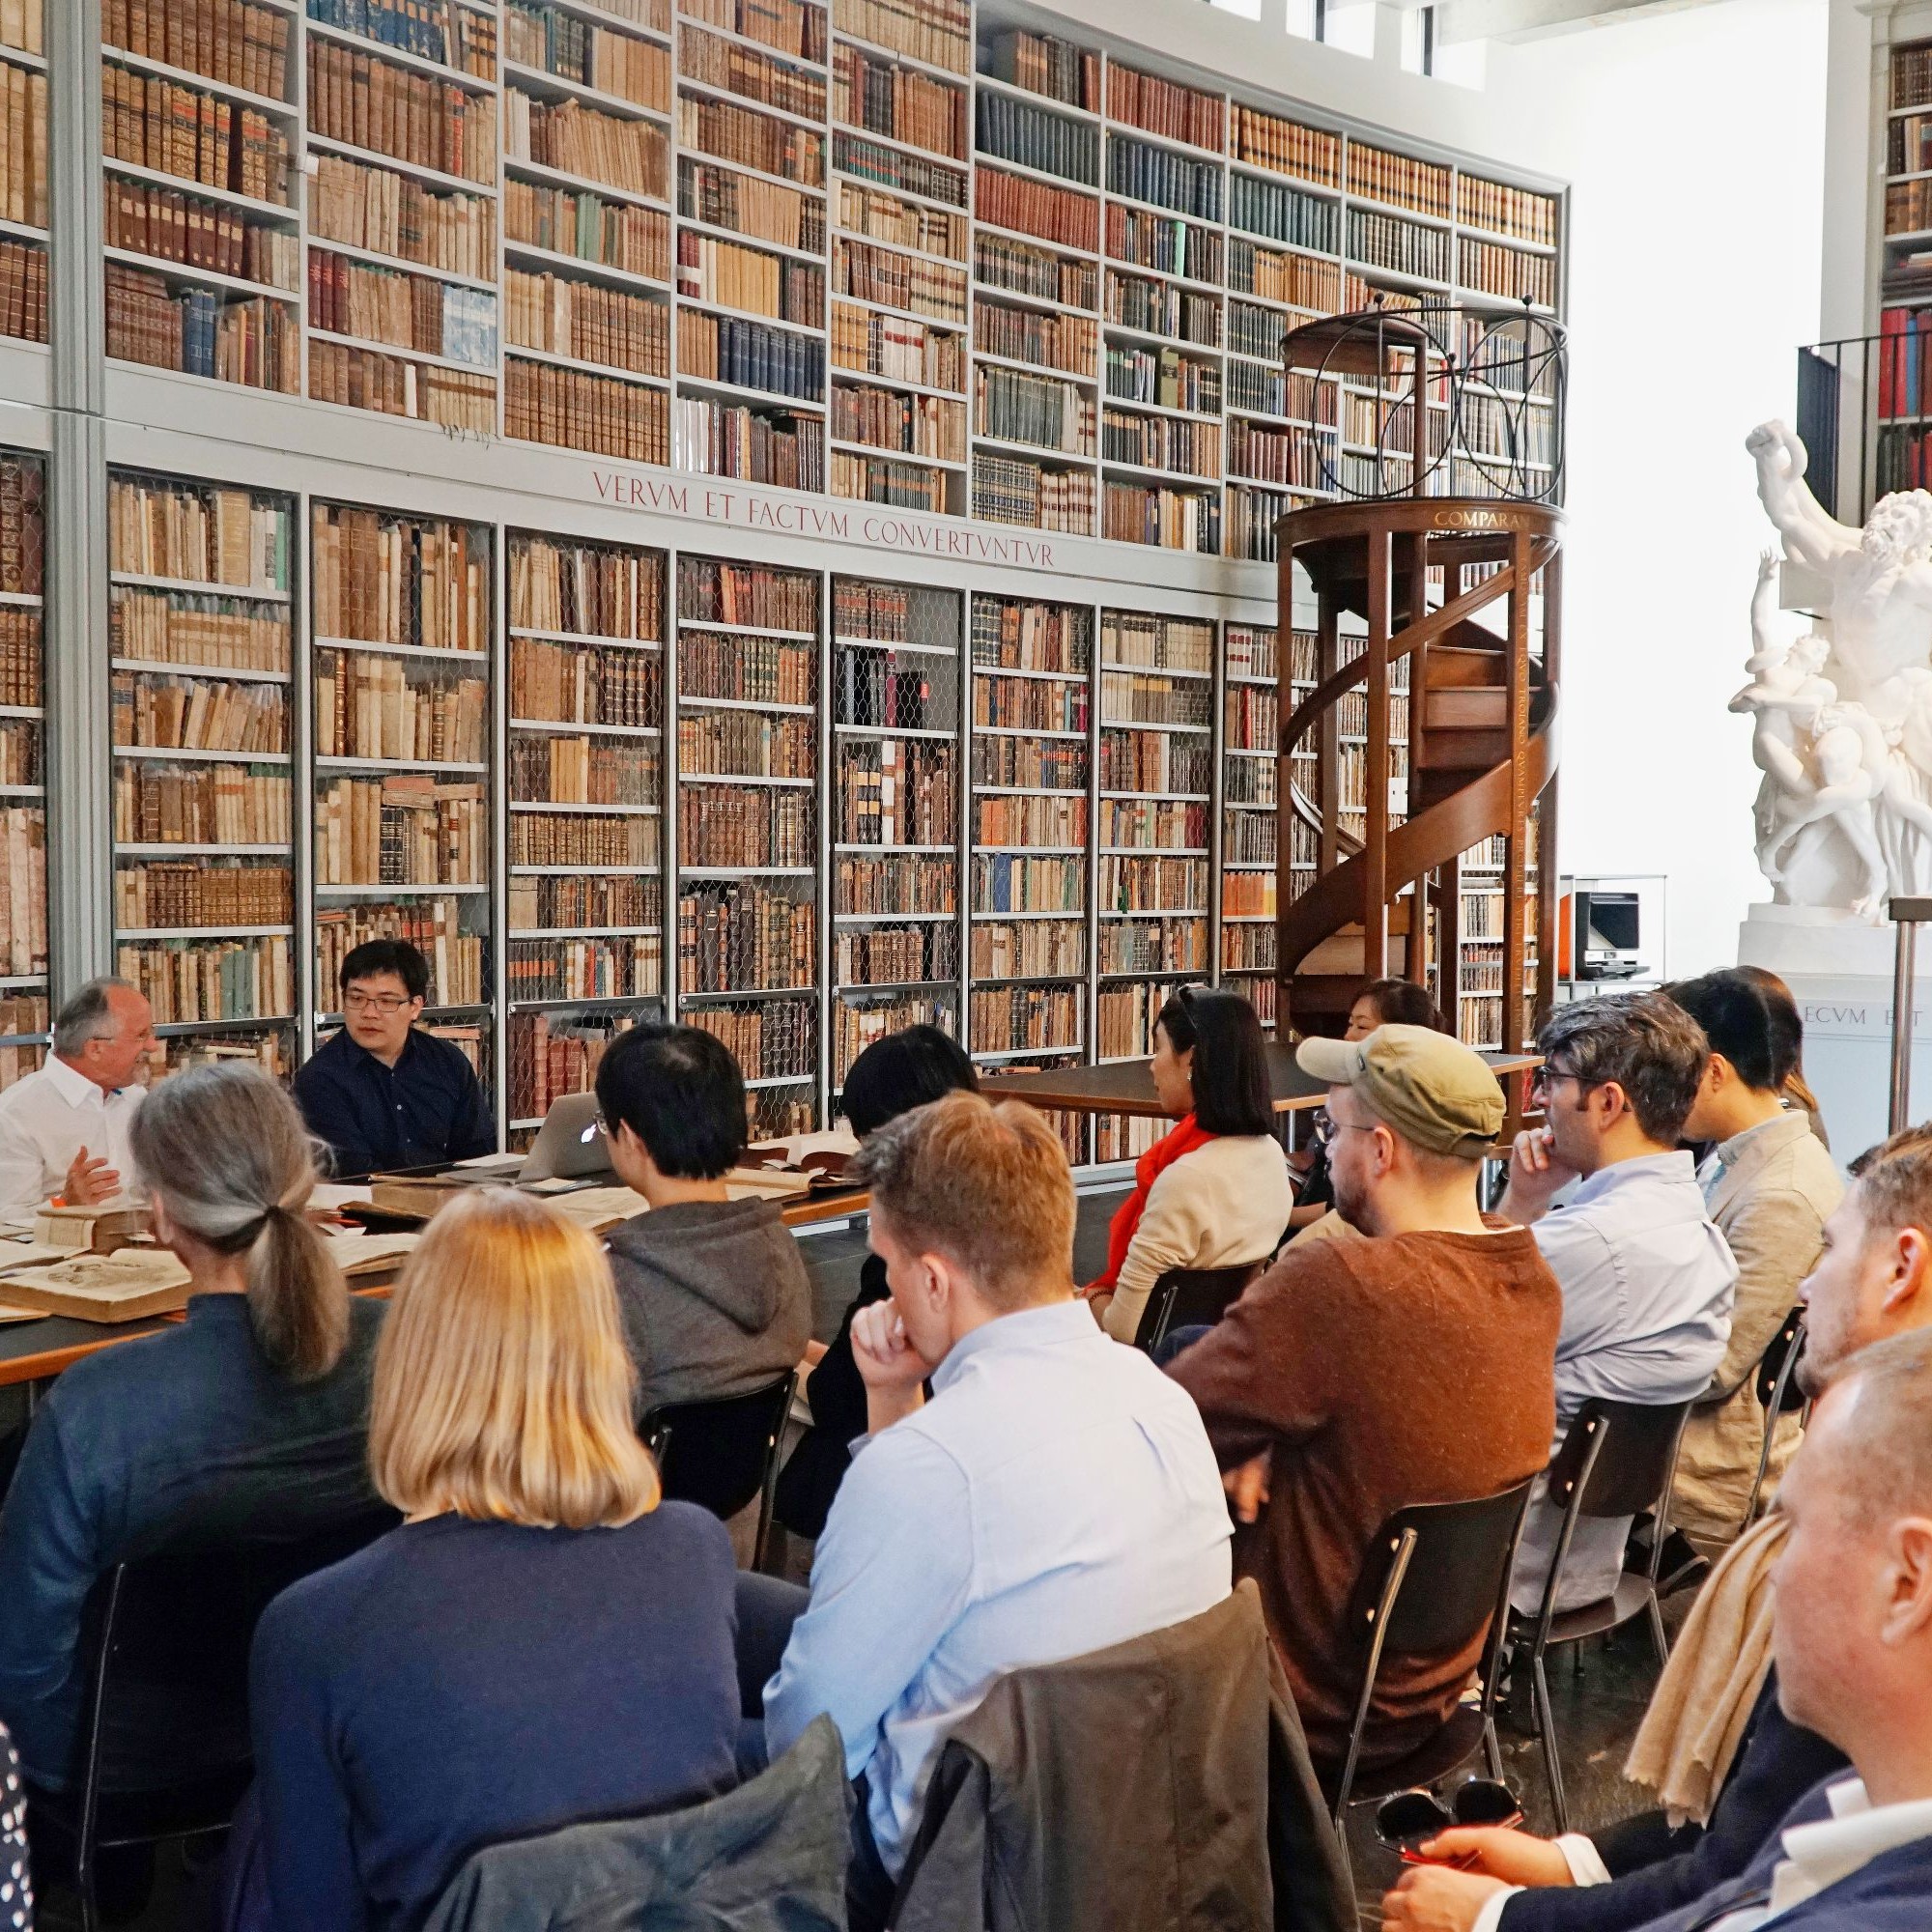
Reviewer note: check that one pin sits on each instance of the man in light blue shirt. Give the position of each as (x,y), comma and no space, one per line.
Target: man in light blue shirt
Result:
(1056,1495)
(1647,1278)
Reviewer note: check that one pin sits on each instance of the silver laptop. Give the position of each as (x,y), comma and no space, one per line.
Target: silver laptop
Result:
(570,1145)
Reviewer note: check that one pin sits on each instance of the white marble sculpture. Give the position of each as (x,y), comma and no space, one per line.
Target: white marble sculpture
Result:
(1842,717)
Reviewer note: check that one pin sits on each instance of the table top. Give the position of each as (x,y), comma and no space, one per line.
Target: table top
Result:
(1127,1086)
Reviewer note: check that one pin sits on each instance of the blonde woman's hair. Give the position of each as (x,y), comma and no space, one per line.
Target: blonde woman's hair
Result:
(503,1388)
(226,1153)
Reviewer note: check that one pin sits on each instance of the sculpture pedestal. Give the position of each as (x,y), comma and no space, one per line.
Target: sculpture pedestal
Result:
(1840,971)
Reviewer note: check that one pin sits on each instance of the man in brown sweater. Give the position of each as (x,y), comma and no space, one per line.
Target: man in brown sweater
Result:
(1357,1378)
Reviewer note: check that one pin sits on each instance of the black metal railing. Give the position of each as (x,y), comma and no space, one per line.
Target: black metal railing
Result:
(1865,414)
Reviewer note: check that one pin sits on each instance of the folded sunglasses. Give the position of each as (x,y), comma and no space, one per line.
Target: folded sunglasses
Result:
(1409,1819)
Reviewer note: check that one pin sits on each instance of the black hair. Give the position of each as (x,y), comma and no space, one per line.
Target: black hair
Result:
(387,956)
(1738,1021)
(1787,1024)
(1402,1003)
(1232,1090)
(680,1092)
(902,1072)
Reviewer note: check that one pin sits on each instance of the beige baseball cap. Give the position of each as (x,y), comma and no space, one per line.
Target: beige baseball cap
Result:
(1434,1091)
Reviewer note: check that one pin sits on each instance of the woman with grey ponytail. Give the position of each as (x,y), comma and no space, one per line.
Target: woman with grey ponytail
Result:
(230,1169)
(249,1419)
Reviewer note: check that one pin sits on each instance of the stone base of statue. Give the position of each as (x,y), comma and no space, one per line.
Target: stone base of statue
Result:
(1839,970)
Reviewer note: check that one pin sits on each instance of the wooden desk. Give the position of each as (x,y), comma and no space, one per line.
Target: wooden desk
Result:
(1126,1086)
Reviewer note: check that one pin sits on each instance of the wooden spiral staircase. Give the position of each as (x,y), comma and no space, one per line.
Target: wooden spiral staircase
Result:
(1447,584)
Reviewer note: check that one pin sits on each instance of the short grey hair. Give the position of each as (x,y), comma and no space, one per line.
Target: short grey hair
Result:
(87,1015)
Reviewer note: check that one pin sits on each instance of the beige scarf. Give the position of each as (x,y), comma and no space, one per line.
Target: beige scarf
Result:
(1708,1690)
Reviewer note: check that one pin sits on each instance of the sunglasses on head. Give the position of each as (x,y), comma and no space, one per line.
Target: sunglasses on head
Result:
(1410,1819)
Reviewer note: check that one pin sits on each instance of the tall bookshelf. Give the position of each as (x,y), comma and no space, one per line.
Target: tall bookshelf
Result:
(895,724)
(23,175)
(1153,886)
(584,858)
(1250,733)
(749,804)
(1900,406)
(1032,807)
(403,681)
(23,809)
(201,669)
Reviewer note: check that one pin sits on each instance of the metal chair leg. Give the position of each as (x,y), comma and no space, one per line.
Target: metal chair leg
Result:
(1659,1635)
(1492,1751)
(1546,1724)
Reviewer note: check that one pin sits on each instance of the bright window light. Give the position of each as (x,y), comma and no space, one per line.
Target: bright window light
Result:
(1248,9)
(1351,25)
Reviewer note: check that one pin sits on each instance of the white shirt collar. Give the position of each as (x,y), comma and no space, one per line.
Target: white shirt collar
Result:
(72,1086)
(1821,1853)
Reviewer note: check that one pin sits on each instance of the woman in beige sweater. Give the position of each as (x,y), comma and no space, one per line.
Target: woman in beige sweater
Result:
(1215,1192)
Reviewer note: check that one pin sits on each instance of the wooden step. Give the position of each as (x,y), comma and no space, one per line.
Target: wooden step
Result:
(1465,750)
(1466,708)
(1456,666)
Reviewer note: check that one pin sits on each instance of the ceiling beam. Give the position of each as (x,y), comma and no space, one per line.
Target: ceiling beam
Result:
(1532,19)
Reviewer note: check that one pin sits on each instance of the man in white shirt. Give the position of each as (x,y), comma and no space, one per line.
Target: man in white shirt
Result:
(1058,1494)
(1647,1279)
(63,1127)
(1852,1643)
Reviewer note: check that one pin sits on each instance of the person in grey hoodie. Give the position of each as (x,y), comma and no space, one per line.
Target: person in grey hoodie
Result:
(713,1292)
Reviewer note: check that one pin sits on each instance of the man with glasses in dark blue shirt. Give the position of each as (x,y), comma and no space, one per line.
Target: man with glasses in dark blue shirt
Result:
(383,1095)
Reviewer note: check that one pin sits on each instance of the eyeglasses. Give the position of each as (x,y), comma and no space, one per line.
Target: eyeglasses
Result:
(1410,1819)
(1542,1078)
(374,1003)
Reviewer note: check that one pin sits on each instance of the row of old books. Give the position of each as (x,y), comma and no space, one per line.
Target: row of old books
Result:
(1508,272)
(749,355)
(400,579)
(565,317)
(435,318)
(444,31)
(1252,514)
(1166,107)
(1026,704)
(1161,308)
(896,346)
(755,669)
(1302,282)
(1024,335)
(368,379)
(1150,885)
(1022,634)
(181,130)
(1036,764)
(911,425)
(395,215)
(792,26)
(23,291)
(23,1013)
(1400,179)
(390,110)
(1053,213)
(893,168)
(372,705)
(198,714)
(255,341)
(877,274)
(754,445)
(178,227)
(746,744)
(630,155)
(1031,948)
(401,830)
(1157,642)
(1509,211)
(433,926)
(547,1061)
(1154,825)
(734,825)
(19,753)
(1046,823)
(573,409)
(23,146)
(864,612)
(1248,945)
(24,535)
(1161,442)
(563,44)
(1294,456)
(1247,894)
(883,97)
(226,537)
(1146,173)
(1388,241)
(1137,697)
(1123,1019)
(896,792)
(898,692)
(726,64)
(1169,519)
(1285,147)
(1153,945)
(896,886)
(1251,650)
(575,839)
(171,892)
(585,969)
(589,226)
(1012,882)
(882,955)
(857,1025)
(938,31)
(884,479)
(1286,214)
(1019,269)
(1165,242)
(1012,1019)
(745,937)
(1041,63)
(235,41)
(550,905)
(726,275)
(550,768)
(879,216)
(1036,410)
(24,25)
(577,684)
(712,592)
(771,1039)
(762,211)
(226,980)
(587,588)
(173,628)
(23,890)
(1160,762)
(755,140)
(211,804)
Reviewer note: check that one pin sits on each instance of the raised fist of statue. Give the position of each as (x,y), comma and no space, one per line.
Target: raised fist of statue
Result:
(1771,439)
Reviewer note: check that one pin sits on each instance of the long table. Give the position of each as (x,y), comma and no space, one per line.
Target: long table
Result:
(1127,1086)
(32,1351)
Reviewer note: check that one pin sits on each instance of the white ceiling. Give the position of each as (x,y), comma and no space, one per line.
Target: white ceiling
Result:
(1533,19)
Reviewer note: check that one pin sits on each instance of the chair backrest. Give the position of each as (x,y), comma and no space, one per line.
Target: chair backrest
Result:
(1618,1456)
(1185,1297)
(167,1635)
(720,1452)
(1777,1367)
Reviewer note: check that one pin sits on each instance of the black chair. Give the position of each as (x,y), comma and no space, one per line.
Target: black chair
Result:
(1435,1576)
(164,1748)
(1778,1395)
(1187,1297)
(724,1452)
(1618,1460)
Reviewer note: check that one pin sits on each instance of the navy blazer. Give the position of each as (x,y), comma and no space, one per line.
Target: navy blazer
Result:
(1777,1764)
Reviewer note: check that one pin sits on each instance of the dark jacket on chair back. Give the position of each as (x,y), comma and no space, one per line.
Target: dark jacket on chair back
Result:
(1130,1790)
(769,1857)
